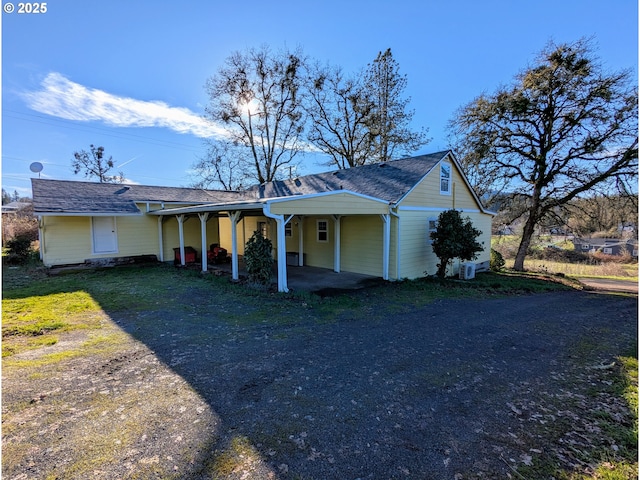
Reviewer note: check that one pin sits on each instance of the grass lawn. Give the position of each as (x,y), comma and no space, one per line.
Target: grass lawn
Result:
(590,266)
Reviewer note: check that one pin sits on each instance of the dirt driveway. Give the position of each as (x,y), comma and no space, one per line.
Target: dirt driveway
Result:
(469,388)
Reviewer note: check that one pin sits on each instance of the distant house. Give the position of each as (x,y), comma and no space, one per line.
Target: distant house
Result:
(14,207)
(608,246)
(374,219)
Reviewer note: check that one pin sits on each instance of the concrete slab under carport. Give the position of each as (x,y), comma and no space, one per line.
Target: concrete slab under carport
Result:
(321,281)
(326,282)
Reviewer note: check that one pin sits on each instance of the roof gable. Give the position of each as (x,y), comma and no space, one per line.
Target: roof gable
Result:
(388,181)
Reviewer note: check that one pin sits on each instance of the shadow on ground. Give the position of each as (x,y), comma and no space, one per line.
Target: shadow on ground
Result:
(378,392)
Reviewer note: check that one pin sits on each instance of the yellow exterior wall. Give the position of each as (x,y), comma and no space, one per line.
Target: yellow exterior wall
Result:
(426,202)
(416,255)
(427,193)
(338,203)
(318,254)
(67,240)
(361,245)
(192,231)
(244,229)
(137,236)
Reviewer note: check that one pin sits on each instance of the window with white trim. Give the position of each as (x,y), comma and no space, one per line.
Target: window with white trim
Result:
(322,231)
(445,179)
(287,230)
(432,226)
(262,228)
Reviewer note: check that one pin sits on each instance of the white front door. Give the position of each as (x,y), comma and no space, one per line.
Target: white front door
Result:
(105,238)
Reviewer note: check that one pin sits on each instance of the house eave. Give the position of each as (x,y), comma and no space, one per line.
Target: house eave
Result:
(87,214)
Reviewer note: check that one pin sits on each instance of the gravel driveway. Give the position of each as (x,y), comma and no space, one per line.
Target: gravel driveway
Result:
(457,389)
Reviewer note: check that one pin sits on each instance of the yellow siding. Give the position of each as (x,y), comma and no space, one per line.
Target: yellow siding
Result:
(244,229)
(66,240)
(293,242)
(192,231)
(338,204)
(482,222)
(318,254)
(416,253)
(361,245)
(427,193)
(137,236)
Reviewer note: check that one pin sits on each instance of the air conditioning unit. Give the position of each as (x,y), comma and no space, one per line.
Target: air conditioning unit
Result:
(467,271)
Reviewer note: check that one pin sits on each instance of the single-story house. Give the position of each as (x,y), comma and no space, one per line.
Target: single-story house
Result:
(374,219)
(608,246)
(14,207)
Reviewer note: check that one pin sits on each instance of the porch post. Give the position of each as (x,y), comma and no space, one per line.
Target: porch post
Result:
(203,232)
(282,246)
(234,216)
(386,236)
(300,242)
(41,237)
(160,239)
(336,243)
(180,219)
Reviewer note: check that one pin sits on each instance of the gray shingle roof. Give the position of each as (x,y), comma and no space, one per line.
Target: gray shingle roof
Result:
(63,196)
(388,181)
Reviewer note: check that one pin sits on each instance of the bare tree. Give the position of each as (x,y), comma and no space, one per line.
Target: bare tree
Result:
(563,129)
(339,112)
(222,167)
(256,96)
(95,164)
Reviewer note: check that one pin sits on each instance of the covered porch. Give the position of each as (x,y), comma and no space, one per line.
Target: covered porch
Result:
(286,212)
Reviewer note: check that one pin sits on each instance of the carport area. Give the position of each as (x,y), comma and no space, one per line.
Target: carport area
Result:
(322,281)
(331,206)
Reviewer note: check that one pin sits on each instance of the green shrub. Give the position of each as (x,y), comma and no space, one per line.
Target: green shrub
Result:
(496,262)
(258,258)
(19,249)
(454,237)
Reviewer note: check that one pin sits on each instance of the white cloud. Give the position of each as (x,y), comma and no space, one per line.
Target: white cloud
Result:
(60,97)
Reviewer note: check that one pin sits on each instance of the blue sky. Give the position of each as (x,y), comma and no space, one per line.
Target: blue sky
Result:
(129,75)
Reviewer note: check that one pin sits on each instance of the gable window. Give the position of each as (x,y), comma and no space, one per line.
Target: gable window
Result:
(445,179)
(322,231)
(104,237)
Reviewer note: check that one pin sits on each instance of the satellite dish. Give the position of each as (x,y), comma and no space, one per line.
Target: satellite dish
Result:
(36,167)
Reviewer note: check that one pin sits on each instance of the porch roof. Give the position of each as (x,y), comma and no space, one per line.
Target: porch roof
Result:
(340,202)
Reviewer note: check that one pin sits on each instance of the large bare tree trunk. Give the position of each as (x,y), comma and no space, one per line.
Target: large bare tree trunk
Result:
(527,233)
